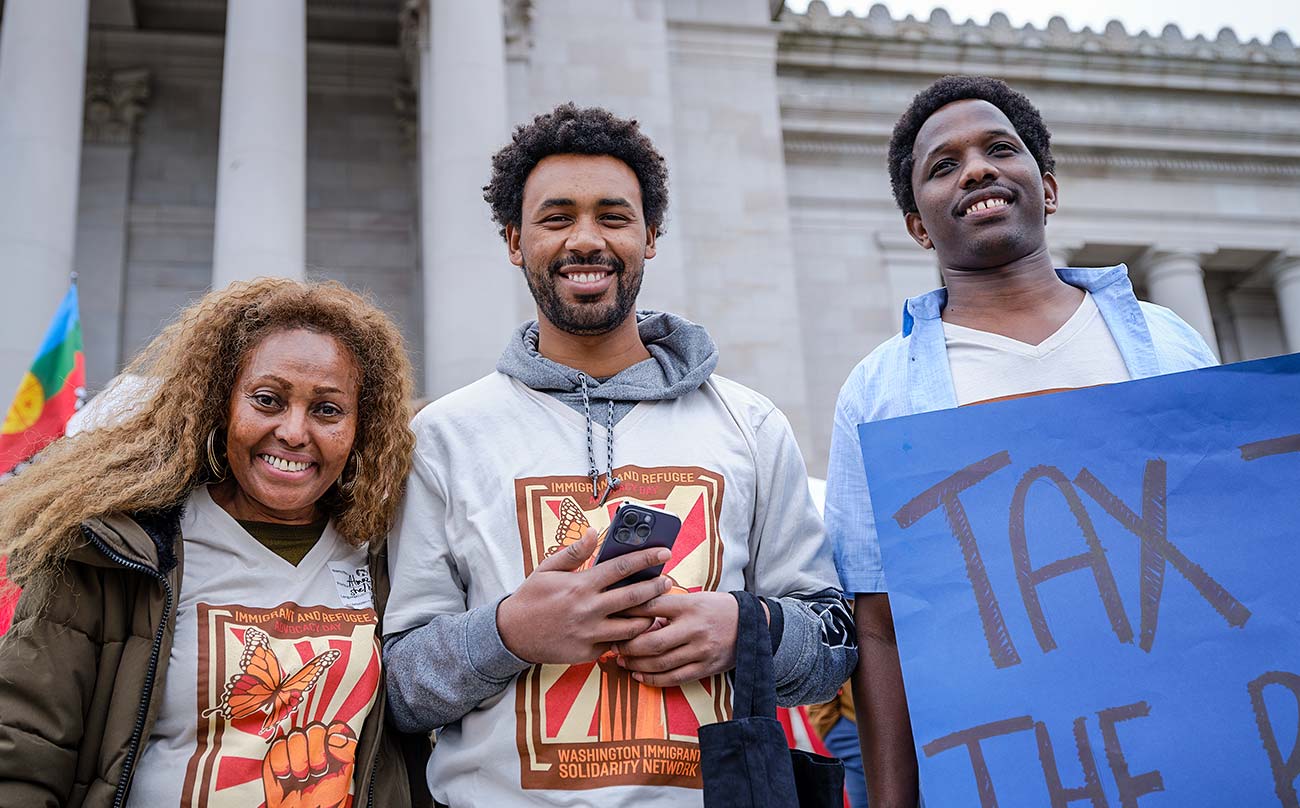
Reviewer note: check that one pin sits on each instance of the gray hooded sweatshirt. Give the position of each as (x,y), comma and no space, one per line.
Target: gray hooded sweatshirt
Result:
(444,656)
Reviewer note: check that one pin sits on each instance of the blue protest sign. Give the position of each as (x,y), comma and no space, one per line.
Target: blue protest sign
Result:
(1097,593)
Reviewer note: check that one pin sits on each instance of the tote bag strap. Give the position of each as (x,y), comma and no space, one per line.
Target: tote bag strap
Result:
(755,692)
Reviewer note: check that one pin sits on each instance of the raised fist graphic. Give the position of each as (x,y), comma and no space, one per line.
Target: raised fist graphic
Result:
(311,767)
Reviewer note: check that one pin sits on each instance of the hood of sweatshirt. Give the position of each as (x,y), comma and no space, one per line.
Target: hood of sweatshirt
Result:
(682,356)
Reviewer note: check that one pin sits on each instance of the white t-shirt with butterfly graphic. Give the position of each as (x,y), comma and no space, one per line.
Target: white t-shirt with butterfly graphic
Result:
(263,650)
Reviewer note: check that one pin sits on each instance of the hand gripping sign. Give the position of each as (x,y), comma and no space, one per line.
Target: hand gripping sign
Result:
(1097,593)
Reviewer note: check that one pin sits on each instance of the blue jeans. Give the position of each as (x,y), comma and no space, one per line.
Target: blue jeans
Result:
(842,741)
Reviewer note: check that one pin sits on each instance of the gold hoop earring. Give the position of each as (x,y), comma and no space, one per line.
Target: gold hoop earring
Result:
(347,489)
(214,465)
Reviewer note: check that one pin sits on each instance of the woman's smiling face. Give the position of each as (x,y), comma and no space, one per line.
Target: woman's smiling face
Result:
(291,424)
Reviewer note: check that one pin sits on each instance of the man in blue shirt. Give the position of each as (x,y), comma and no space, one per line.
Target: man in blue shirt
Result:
(970,165)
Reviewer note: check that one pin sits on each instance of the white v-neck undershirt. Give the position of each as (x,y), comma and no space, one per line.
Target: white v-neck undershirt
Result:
(1081,353)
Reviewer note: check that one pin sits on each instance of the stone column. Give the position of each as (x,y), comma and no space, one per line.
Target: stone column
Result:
(1286,283)
(468,281)
(262,157)
(1250,327)
(115,101)
(42,71)
(1176,281)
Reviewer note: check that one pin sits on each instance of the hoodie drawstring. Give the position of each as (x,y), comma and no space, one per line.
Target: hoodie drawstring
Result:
(611,482)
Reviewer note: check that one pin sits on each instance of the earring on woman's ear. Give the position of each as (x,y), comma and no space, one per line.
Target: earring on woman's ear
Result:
(215,466)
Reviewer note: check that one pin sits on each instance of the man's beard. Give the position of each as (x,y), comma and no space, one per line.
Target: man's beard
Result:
(585,319)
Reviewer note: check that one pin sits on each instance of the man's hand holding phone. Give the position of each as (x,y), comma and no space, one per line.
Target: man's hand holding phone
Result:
(562,614)
(698,639)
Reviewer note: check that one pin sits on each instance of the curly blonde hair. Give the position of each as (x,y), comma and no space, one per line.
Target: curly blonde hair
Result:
(157,455)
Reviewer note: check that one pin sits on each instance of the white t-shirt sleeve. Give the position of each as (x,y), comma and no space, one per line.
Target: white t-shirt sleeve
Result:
(791,559)
(788,549)
(421,567)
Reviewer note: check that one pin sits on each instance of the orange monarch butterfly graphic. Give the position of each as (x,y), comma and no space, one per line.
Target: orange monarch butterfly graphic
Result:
(573,523)
(260,685)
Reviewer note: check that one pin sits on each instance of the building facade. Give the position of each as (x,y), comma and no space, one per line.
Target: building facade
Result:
(161,147)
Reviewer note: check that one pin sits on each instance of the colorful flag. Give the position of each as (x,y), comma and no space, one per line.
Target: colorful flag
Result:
(49,394)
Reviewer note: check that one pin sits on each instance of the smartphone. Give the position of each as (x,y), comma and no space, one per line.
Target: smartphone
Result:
(636,527)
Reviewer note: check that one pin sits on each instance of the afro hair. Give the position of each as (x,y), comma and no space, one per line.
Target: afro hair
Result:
(1024,116)
(568,129)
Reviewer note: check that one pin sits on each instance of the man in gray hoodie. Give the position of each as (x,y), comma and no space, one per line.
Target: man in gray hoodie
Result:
(549,686)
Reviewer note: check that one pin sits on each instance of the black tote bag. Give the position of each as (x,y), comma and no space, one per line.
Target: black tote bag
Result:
(745,762)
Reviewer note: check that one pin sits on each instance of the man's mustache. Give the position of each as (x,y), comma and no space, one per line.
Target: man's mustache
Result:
(609,261)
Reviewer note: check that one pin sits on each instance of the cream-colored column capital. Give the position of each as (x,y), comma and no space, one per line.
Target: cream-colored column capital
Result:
(1159,263)
(1176,280)
(1285,270)
(115,103)
(262,155)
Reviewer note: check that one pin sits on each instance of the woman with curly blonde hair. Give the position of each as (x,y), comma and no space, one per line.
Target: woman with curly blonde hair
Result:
(204,577)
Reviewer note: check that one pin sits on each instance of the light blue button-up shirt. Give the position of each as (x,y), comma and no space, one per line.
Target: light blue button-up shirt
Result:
(910,374)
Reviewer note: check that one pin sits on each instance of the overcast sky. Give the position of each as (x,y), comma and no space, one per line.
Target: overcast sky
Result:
(1249,18)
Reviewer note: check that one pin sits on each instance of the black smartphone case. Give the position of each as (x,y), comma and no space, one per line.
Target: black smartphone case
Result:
(635,527)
